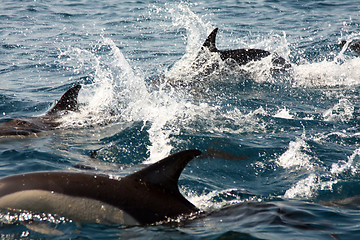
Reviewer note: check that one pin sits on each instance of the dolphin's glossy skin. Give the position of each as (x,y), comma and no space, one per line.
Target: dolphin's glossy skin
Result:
(31,125)
(148,196)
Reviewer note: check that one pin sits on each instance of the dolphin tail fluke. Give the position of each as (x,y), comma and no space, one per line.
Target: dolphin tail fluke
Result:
(68,101)
(210,41)
(166,172)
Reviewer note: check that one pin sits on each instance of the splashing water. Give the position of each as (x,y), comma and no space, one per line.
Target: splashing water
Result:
(118,94)
(296,156)
(351,165)
(341,112)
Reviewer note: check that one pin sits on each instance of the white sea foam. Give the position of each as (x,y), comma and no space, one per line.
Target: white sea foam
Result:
(352,165)
(341,70)
(309,187)
(298,159)
(284,113)
(328,73)
(209,201)
(324,179)
(341,112)
(297,155)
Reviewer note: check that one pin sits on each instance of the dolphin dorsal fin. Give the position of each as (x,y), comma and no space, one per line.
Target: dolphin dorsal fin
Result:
(210,41)
(166,172)
(68,101)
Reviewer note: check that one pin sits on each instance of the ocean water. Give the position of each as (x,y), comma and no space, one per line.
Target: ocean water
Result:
(282,149)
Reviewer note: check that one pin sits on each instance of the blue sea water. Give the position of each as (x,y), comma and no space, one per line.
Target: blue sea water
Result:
(287,145)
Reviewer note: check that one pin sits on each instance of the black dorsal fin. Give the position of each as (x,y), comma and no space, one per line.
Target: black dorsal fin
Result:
(210,41)
(68,101)
(166,172)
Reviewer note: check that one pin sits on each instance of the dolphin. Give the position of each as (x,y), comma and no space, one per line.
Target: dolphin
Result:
(33,125)
(350,203)
(242,56)
(353,46)
(148,196)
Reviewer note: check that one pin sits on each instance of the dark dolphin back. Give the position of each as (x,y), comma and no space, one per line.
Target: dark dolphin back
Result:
(242,56)
(149,195)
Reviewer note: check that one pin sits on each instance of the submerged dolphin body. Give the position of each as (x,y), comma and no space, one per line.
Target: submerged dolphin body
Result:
(242,56)
(148,196)
(31,125)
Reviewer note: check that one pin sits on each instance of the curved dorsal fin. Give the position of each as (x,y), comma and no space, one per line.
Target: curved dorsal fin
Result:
(68,101)
(166,172)
(210,41)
